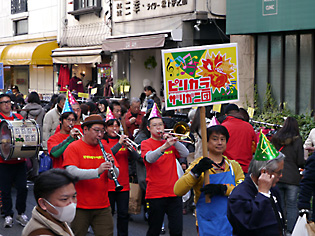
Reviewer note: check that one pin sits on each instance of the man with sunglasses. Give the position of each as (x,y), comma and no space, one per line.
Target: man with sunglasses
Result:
(84,159)
(12,172)
(58,143)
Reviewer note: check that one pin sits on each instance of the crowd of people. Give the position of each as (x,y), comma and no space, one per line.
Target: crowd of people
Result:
(100,146)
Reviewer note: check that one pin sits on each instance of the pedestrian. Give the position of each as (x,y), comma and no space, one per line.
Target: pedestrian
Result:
(51,119)
(55,196)
(289,142)
(254,206)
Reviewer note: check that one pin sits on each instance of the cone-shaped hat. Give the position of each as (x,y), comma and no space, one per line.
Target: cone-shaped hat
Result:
(109,115)
(155,112)
(67,107)
(265,151)
(213,122)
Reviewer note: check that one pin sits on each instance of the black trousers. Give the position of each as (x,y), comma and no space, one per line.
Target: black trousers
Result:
(13,174)
(121,199)
(158,207)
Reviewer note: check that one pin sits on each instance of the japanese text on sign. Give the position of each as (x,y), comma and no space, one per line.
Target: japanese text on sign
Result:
(198,76)
(142,9)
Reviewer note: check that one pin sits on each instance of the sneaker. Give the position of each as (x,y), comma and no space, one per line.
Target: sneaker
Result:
(8,222)
(22,219)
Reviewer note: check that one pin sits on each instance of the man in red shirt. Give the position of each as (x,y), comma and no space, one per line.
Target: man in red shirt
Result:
(134,116)
(12,172)
(84,159)
(242,136)
(160,161)
(58,143)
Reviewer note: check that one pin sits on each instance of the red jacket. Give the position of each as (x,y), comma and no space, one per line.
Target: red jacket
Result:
(135,125)
(239,146)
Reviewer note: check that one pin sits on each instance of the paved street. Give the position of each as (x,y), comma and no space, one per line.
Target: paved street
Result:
(137,226)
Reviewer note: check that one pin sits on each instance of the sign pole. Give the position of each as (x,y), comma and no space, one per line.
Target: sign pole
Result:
(203,128)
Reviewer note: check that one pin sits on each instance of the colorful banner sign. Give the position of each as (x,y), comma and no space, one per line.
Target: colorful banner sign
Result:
(199,76)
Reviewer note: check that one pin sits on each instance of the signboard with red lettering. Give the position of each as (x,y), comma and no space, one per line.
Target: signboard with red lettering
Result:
(199,76)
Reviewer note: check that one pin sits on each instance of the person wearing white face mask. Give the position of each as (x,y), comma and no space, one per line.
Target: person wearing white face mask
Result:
(55,195)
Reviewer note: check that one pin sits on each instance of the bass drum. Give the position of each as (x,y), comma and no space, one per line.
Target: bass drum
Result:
(19,139)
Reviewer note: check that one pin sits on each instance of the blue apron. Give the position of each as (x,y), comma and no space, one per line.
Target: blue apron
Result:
(212,219)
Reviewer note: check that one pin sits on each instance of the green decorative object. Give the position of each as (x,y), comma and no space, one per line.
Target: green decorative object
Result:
(120,85)
(150,63)
(265,150)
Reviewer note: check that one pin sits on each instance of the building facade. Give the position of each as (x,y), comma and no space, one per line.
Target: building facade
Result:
(278,39)
(28,34)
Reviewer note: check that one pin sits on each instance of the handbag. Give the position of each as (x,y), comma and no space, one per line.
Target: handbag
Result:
(134,199)
(300,227)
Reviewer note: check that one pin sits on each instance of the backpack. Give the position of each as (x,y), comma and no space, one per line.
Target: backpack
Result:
(45,163)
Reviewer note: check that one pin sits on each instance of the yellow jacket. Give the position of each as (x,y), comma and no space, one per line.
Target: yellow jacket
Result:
(188,181)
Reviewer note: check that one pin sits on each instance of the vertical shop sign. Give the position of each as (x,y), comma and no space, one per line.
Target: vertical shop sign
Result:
(200,76)
(1,76)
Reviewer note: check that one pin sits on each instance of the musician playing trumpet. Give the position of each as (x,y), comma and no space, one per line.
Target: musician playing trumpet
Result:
(123,151)
(58,142)
(160,161)
(84,159)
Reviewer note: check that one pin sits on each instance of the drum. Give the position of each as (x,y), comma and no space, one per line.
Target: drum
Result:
(19,139)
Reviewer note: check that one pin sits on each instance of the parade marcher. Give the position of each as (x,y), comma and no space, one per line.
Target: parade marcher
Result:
(289,142)
(12,172)
(224,176)
(115,107)
(134,116)
(102,107)
(84,159)
(254,206)
(242,136)
(51,119)
(122,152)
(58,143)
(75,107)
(160,161)
(150,93)
(55,196)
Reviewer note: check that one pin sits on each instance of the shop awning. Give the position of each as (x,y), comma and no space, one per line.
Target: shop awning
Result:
(84,55)
(121,43)
(38,53)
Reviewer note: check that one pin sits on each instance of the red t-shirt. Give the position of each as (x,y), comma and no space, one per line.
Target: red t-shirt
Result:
(13,161)
(122,160)
(239,146)
(75,126)
(91,193)
(53,141)
(162,174)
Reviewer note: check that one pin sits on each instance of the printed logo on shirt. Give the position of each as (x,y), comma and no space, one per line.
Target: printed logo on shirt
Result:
(122,149)
(93,157)
(168,152)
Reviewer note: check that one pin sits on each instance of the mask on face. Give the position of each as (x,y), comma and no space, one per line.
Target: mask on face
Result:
(65,214)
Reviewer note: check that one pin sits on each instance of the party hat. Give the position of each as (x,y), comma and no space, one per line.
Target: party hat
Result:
(71,98)
(67,107)
(109,116)
(213,122)
(265,150)
(155,112)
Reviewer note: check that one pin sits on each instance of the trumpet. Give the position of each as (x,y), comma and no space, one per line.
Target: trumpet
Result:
(180,130)
(130,143)
(118,187)
(77,136)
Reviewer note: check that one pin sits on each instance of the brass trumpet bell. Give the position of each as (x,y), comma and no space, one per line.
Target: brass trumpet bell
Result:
(181,128)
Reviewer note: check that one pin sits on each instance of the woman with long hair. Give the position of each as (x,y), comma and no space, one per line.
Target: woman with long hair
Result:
(289,142)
